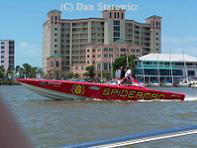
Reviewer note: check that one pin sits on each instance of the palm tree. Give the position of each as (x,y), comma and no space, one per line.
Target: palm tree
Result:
(90,71)
(27,70)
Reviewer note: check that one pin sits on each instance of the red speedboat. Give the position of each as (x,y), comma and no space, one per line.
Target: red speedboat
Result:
(61,89)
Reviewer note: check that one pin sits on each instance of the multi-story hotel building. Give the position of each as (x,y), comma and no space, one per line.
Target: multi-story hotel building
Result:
(7,54)
(69,45)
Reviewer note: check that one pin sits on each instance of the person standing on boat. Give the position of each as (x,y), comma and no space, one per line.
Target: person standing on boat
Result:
(128,75)
(122,75)
(118,73)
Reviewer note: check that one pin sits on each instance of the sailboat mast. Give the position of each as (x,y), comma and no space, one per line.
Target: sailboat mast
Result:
(158,76)
(101,70)
(143,72)
(127,61)
(111,67)
(171,67)
(185,67)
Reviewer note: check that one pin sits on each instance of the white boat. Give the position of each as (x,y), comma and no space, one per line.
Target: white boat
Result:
(183,83)
(193,84)
(155,84)
(167,84)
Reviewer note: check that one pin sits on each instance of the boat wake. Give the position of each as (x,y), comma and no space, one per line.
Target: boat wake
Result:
(190,98)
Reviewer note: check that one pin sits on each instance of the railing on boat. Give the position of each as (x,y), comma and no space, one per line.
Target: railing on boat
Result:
(139,138)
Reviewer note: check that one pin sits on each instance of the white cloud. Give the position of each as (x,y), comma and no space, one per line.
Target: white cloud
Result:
(23,45)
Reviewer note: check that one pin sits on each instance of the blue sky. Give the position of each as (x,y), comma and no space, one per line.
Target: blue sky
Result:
(22,21)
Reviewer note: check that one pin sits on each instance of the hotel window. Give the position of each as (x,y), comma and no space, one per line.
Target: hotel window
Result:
(57,64)
(110,14)
(2,52)
(55,34)
(123,49)
(55,28)
(105,55)
(105,49)
(110,55)
(115,15)
(116,30)
(105,66)
(2,62)
(191,73)
(2,47)
(2,57)
(111,49)
(116,22)
(118,15)
(167,63)
(88,56)
(116,36)
(2,43)
(55,45)
(122,15)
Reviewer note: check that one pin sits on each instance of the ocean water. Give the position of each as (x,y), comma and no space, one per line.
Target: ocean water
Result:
(51,124)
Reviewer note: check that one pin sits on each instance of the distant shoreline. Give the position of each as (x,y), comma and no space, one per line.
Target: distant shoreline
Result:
(8,82)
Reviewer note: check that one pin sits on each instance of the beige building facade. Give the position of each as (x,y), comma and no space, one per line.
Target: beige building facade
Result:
(69,45)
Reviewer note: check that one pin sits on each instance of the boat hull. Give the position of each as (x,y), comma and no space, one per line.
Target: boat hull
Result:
(66,90)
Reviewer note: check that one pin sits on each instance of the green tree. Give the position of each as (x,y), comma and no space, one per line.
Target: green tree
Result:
(2,72)
(90,71)
(76,75)
(106,75)
(70,75)
(27,69)
(10,73)
(33,72)
(122,61)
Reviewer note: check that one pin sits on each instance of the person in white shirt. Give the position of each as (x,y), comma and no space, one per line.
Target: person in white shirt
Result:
(128,76)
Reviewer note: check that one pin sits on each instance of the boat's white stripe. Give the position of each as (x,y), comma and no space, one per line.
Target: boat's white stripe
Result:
(53,94)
